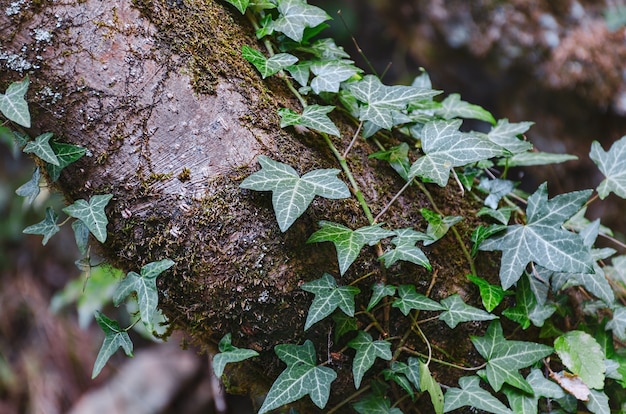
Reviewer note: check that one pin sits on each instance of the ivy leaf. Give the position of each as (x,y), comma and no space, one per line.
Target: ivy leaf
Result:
(397,373)
(528,159)
(328,297)
(491,295)
(343,324)
(506,135)
(229,354)
(241,5)
(348,243)
(66,154)
(41,148)
(367,351)
(406,250)
(454,107)
(470,394)
(445,147)
(300,72)
(398,158)
(458,311)
(598,402)
(114,338)
(496,189)
(145,287)
(613,165)
(438,225)
(523,403)
(267,67)
(432,387)
(502,215)
(505,358)
(313,116)
(30,189)
(618,322)
(47,228)
(527,309)
(295,16)
(292,194)
(583,356)
(410,299)
(380,101)
(81,235)
(92,214)
(380,290)
(13,105)
(301,377)
(542,240)
(482,233)
(330,74)
(375,404)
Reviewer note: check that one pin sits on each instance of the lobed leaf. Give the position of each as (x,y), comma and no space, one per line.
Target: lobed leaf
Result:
(313,116)
(92,214)
(367,350)
(267,66)
(330,74)
(114,338)
(472,395)
(295,16)
(229,354)
(30,190)
(328,297)
(454,107)
(375,404)
(42,149)
(241,5)
(506,135)
(458,311)
(47,228)
(66,154)
(410,299)
(612,164)
(13,105)
(491,295)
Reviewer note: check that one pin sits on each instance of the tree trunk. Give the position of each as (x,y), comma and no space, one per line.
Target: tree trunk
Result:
(174,118)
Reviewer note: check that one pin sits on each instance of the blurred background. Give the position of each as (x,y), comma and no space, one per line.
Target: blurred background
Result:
(558,63)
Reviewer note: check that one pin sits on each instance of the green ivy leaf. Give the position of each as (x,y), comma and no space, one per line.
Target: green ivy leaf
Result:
(30,190)
(348,243)
(343,324)
(267,67)
(583,356)
(445,147)
(527,309)
(410,299)
(92,214)
(432,387)
(41,148)
(330,74)
(295,16)
(612,164)
(301,377)
(380,101)
(438,226)
(397,373)
(375,404)
(506,135)
(229,354)
(326,49)
(528,159)
(241,5)
(598,402)
(66,154)
(328,297)
(379,291)
(398,158)
(13,105)
(497,189)
(523,403)
(505,358)
(114,338)
(502,215)
(470,394)
(618,322)
(458,311)
(406,250)
(300,72)
(454,107)
(482,233)
(313,116)
(291,194)
(542,240)
(491,295)
(367,351)
(47,228)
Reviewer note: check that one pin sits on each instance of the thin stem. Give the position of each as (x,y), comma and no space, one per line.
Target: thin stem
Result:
(442,362)
(348,399)
(395,197)
(356,135)
(613,239)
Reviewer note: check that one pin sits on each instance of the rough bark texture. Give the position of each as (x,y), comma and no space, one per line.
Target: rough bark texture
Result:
(173,118)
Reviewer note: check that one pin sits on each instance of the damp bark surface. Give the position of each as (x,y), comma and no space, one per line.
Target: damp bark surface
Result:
(173,119)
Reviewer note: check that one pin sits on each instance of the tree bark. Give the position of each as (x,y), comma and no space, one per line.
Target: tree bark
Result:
(174,118)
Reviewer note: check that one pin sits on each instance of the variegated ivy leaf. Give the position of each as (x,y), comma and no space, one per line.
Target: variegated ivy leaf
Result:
(328,297)
(348,243)
(527,308)
(379,291)
(326,49)
(229,354)
(458,311)
(114,338)
(66,154)
(505,358)
(300,72)
(598,402)
(378,101)
(445,147)
(301,377)
(618,322)
(295,16)
(330,74)
(367,350)
(313,116)
(542,239)
(523,403)
(92,214)
(506,135)
(528,159)
(472,395)
(241,5)
(292,194)
(47,228)
(397,157)
(267,66)
(497,189)
(438,225)
(30,190)
(13,105)
(409,299)
(502,214)
(375,404)
(406,250)
(454,107)
(41,148)
(612,163)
